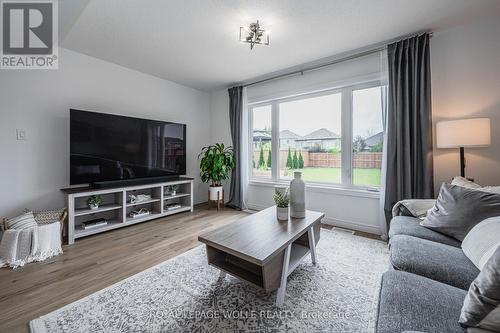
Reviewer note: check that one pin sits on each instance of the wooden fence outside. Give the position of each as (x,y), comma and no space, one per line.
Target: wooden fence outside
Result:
(364,160)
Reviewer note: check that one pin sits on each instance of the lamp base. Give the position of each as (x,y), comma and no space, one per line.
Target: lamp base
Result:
(462,162)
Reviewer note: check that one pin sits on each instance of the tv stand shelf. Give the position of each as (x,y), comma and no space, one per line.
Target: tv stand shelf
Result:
(116,206)
(103,208)
(130,204)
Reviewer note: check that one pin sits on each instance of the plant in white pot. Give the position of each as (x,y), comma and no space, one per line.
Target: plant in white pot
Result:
(282,201)
(94,201)
(172,189)
(216,163)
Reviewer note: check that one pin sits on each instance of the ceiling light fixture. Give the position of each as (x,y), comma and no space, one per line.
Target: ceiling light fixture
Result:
(254,34)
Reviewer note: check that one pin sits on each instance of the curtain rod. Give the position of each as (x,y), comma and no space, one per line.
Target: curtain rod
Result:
(333,62)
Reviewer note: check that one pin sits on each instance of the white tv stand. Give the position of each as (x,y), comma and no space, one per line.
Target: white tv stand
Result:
(116,206)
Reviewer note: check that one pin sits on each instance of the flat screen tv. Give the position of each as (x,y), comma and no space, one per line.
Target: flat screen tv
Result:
(106,147)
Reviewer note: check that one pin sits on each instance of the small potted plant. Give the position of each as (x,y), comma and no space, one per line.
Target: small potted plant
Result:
(216,163)
(282,201)
(94,201)
(173,189)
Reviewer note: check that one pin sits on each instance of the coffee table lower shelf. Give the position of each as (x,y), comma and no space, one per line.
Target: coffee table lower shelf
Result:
(271,275)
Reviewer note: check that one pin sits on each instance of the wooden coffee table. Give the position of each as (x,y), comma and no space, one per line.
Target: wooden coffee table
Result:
(262,250)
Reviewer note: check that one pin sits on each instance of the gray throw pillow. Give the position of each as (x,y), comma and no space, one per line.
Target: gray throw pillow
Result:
(481,307)
(459,209)
(482,241)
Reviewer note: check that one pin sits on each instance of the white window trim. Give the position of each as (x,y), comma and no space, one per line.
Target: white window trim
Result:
(346,187)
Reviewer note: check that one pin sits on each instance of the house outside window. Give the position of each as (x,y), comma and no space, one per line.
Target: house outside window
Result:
(289,139)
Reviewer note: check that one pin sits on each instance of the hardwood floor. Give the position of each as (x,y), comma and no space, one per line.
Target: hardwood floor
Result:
(96,262)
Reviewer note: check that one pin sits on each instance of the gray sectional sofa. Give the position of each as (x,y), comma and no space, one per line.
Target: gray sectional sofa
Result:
(426,286)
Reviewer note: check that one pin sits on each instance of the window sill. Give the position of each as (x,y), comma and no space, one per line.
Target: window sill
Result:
(322,188)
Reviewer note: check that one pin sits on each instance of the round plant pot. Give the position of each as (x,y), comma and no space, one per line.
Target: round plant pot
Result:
(282,213)
(213,192)
(173,192)
(93,207)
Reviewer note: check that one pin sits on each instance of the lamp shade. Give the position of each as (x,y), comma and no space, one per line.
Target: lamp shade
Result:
(474,132)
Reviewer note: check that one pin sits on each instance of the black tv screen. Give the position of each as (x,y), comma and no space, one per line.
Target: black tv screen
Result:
(106,147)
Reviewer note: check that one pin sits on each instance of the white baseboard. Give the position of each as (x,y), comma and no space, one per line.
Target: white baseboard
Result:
(335,222)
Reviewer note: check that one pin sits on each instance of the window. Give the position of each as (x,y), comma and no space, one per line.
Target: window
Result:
(332,137)
(310,138)
(368,136)
(261,152)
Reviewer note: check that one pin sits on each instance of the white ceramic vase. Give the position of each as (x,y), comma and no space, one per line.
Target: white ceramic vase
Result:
(297,196)
(282,213)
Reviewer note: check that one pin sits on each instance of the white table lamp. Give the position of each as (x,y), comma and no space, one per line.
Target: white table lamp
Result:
(474,132)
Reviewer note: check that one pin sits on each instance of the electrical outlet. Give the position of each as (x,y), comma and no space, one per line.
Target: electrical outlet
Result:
(20,134)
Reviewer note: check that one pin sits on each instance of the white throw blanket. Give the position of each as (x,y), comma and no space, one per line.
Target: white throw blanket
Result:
(414,207)
(20,247)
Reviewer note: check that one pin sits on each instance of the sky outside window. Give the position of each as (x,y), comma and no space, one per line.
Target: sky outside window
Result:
(308,115)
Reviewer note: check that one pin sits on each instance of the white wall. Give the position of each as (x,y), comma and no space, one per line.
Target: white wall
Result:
(357,210)
(38,101)
(466,83)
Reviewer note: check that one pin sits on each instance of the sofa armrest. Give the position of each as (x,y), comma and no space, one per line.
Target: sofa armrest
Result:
(413,207)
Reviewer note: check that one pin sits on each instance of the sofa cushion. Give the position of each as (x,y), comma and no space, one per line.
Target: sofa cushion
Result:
(482,304)
(459,209)
(433,260)
(406,225)
(482,241)
(413,303)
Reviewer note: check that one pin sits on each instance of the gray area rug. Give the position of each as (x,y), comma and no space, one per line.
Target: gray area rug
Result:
(185,295)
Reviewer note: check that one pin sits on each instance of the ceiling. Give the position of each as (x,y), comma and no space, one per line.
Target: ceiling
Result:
(195,42)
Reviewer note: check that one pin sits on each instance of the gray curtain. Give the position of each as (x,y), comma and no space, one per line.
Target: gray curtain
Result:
(409,123)
(235,120)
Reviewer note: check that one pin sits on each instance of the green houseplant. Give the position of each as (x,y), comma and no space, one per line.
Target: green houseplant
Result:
(216,163)
(94,201)
(172,189)
(282,201)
